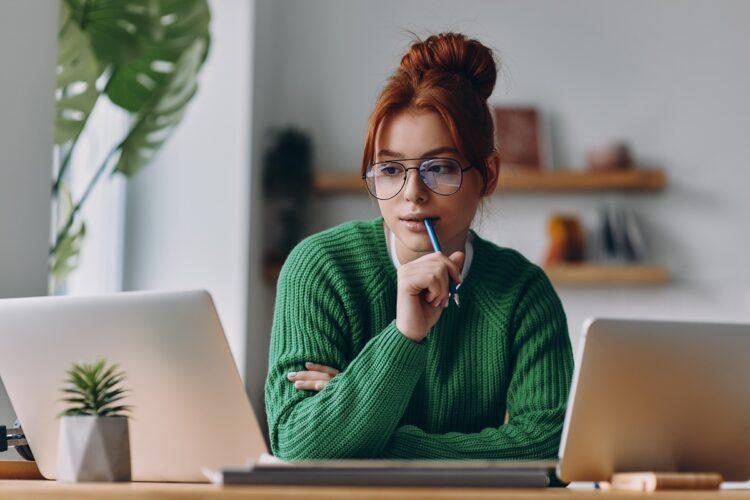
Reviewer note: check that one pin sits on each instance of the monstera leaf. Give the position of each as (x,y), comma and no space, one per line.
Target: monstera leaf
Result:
(118,28)
(77,71)
(147,54)
(164,111)
(180,23)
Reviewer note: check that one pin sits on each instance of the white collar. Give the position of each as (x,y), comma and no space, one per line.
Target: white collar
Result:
(468,251)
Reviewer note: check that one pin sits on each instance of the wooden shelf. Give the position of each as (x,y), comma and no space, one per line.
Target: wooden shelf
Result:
(335,182)
(514,180)
(607,275)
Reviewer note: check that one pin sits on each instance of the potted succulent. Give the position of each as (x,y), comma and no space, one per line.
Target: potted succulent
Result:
(94,440)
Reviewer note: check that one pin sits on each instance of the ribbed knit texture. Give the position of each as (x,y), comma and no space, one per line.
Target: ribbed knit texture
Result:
(505,348)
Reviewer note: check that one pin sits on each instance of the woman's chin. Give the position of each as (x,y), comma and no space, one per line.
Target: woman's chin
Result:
(416,242)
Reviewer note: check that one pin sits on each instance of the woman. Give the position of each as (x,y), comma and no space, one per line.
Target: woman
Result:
(368,356)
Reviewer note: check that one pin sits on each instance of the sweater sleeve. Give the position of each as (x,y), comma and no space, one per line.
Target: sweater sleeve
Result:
(353,416)
(537,393)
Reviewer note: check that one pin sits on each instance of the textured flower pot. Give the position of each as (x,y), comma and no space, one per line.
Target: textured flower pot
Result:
(93,449)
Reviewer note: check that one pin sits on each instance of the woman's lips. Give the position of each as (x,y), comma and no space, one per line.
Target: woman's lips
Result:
(416,226)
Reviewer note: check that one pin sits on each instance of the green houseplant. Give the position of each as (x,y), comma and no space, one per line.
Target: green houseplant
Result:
(94,439)
(143,57)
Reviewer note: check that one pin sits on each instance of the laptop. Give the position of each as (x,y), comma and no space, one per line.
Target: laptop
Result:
(658,396)
(189,404)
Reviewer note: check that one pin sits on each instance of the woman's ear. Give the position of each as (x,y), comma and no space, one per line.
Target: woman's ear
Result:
(493,173)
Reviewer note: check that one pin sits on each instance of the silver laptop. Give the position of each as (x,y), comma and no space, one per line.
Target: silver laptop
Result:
(658,396)
(190,408)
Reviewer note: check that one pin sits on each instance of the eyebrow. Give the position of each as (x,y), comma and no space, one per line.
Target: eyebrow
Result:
(393,154)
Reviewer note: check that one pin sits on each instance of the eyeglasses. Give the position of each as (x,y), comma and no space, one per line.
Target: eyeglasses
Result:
(442,176)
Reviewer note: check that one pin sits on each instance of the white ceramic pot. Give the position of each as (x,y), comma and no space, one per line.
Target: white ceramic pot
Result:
(93,449)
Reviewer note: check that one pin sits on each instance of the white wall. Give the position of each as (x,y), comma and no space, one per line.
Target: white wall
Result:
(265,72)
(187,213)
(671,77)
(28,46)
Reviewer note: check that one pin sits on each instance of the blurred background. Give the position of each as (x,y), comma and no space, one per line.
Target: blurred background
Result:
(622,126)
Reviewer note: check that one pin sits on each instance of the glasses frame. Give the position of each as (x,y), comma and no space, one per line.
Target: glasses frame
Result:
(406,174)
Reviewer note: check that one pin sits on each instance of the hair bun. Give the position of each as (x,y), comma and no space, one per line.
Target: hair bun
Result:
(453,53)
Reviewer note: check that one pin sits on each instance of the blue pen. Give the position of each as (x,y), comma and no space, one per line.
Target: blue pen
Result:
(453,289)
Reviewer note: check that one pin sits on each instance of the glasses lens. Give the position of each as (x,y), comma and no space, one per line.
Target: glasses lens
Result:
(384,180)
(442,175)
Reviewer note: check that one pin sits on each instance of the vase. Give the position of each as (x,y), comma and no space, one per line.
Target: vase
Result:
(92,448)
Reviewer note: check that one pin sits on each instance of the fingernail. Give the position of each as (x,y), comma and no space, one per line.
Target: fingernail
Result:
(319,385)
(298,383)
(292,374)
(436,303)
(308,364)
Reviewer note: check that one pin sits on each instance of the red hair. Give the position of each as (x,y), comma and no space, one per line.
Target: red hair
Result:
(453,76)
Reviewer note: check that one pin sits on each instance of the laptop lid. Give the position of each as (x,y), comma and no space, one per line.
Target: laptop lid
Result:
(658,396)
(190,408)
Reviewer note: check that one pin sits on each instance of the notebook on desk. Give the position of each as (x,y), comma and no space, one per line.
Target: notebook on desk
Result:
(464,473)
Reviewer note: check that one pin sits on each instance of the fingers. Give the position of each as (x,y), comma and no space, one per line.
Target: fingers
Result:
(436,286)
(455,264)
(314,379)
(321,368)
(428,276)
(308,376)
(457,261)
(445,267)
(310,385)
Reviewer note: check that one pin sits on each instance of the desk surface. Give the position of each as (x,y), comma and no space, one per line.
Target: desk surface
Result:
(22,489)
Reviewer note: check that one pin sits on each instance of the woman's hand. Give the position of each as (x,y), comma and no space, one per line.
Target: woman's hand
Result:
(315,379)
(423,292)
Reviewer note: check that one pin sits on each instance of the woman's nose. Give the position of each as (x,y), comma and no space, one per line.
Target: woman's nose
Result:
(414,190)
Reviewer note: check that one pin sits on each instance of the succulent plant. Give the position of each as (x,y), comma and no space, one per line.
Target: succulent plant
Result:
(94,389)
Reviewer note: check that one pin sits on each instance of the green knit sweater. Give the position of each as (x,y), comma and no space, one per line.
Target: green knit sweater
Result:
(505,348)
